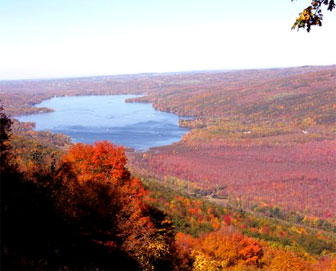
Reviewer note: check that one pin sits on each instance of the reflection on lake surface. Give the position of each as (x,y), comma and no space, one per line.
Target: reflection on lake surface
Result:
(88,119)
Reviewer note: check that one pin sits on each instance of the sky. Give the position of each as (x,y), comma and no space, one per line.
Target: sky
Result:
(69,38)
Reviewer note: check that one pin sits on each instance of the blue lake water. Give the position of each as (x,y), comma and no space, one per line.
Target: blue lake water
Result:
(88,119)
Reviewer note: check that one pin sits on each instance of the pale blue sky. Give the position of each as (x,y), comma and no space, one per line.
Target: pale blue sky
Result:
(61,38)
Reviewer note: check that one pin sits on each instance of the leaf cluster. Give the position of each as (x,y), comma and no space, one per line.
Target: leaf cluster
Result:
(313,15)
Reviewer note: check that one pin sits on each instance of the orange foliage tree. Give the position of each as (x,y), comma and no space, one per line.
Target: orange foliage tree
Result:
(288,261)
(102,162)
(221,249)
(107,204)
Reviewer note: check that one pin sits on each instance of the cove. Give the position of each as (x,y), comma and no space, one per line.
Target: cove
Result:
(87,119)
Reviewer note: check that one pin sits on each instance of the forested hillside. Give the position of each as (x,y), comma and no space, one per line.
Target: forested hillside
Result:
(250,187)
(81,209)
(270,141)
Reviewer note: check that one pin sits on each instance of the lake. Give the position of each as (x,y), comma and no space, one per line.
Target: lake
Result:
(93,118)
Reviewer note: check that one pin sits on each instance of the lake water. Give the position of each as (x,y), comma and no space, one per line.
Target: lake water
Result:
(88,119)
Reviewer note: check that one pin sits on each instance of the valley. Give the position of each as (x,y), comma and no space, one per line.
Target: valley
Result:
(257,168)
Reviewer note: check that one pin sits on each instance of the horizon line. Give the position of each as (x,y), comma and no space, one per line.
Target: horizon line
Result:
(157,73)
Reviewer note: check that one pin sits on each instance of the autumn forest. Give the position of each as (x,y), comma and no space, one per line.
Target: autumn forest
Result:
(251,186)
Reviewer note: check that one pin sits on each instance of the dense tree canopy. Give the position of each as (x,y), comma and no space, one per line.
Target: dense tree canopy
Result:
(85,212)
